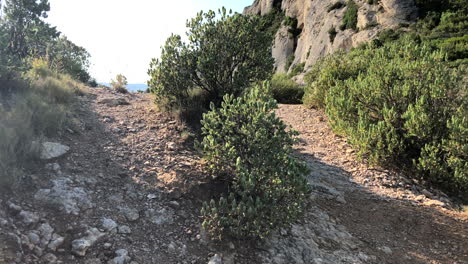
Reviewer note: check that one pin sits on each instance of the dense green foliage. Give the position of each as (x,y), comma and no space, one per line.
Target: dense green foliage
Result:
(427,6)
(245,142)
(224,55)
(66,57)
(119,84)
(443,25)
(328,71)
(350,16)
(24,34)
(285,90)
(399,104)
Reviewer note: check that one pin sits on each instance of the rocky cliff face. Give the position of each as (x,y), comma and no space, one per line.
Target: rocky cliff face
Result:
(315,21)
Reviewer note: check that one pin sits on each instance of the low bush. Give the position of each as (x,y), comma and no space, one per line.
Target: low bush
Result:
(405,107)
(285,90)
(246,143)
(328,71)
(444,24)
(445,162)
(428,6)
(350,16)
(119,84)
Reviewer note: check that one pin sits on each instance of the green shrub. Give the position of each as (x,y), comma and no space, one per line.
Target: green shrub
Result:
(445,162)
(456,48)
(350,16)
(336,5)
(224,55)
(328,71)
(246,143)
(428,6)
(332,34)
(402,109)
(119,84)
(285,90)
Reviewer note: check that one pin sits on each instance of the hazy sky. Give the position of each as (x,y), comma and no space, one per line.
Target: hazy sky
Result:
(123,36)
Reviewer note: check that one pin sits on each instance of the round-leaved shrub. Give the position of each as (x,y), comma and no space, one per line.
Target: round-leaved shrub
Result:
(245,142)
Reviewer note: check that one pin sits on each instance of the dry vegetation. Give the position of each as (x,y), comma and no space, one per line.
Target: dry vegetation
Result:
(38,108)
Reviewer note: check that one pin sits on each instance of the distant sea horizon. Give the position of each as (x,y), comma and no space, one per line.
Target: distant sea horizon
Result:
(132,87)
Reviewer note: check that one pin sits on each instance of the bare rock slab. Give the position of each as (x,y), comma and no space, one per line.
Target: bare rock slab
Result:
(52,150)
(80,246)
(160,216)
(64,197)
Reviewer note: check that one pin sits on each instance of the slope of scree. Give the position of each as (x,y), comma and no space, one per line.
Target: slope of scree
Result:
(130,187)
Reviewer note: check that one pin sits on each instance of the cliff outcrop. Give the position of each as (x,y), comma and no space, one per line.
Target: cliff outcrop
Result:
(317,18)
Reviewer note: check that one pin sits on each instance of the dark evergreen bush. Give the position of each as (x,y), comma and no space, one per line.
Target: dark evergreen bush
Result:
(405,107)
(245,142)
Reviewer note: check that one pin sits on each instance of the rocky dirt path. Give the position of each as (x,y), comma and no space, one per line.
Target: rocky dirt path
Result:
(130,187)
(129,190)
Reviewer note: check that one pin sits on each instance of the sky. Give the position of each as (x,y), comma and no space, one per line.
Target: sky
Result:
(121,35)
